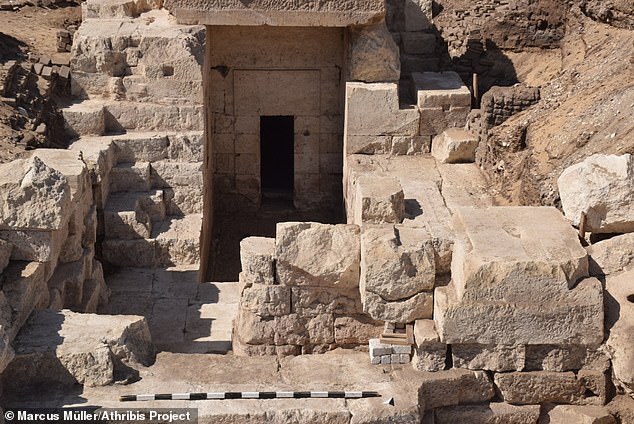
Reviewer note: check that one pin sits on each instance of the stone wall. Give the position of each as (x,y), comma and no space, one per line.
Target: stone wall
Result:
(251,75)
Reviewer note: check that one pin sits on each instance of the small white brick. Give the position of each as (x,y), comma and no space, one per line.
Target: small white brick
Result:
(375,360)
(395,358)
(403,358)
(377,348)
(401,349)
(385,360)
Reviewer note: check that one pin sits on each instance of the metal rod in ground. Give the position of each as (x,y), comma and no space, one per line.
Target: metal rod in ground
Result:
(250,395)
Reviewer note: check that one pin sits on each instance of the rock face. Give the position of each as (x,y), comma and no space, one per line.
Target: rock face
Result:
(620,321)
(374,56)
(508,259)
(71,348)
(32,195)
(602,187)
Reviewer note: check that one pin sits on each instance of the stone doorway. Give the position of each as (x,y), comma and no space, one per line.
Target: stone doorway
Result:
(277,157)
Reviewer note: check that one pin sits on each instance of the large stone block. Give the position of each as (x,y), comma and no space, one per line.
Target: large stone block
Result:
(314,254)
(257,256)
(418,15)
(537,387)
(69,348)
(429,353)
(419,306)
(601,187)
(312,301)
(356,330)
(378,199)
(373,54)
(566,358)
(373,109)
(507,259)
(85,118)
(612,255)
(620,320)
(266,301)
(455,387)
(490,413)
(440,89)
(498,358)
(565,414)
(337,13)
(454,145)
(5,254)
(33,196)
(398,260)
(36,245)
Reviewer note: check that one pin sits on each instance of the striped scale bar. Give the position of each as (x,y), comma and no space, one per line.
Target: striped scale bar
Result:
(250,395)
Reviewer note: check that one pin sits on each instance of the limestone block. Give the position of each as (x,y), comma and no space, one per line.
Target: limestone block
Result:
(374,56)
(454,145)
(440,89)
(429,353)
(35,245)
(25,288)
(620,320)
(186,146)
(68,280)
(497,249)
(356,330)
(602,187)
(130,253)
(565,358)
(313,301)
(406,410)
(564,414)
(175,174)
(373,109)
(33,196)
(183,200)
(335,13)
(70,165)
(396,262)
(266,301)
(418,15)
(117,8)
(316,254)
(454,387)
(85,118)
(494,412)
(251,329)
(367,144)
(257,256)
(130,177)
(150,147)
(141,116)
(71,348)
(178,240)
(612,255)
(72,249)
(410,145)
(5,254)
(435,120)
(419,306)
(536,387)
(378,199)
(498,358)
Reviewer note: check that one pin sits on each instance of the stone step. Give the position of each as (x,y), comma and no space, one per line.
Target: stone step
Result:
(454,145)
(153,146)
(131,215)
(85,118)
(174,241)
(65,348)
(130,177)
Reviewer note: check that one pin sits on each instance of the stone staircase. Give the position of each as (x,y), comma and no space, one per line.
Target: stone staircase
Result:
(139,120)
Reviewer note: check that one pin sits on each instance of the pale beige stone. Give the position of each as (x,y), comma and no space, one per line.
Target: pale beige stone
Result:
(565,414)
(454,387)
(130,177)
(356,330)
(374,56)
(489,413)
(85,119)
(266,301)
(378,199)
(496,249)
(117,8)
(72,348)
(396,262)
(312,301)
(33,196)
(418,15)
(602,187)
(566,357)
(316,254)
(612,255)
(6,351)
(498,358)
(257,256)
(529,388)
(429,353)
(36,245)
(140,147)
(338,13)
(454,145)
(419,306)
(442,89)
(620,321)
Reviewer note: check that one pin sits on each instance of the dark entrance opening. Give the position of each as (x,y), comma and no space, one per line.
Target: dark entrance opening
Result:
(276,157)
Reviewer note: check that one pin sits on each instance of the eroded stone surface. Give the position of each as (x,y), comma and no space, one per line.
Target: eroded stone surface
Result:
(374,56)
(601,187)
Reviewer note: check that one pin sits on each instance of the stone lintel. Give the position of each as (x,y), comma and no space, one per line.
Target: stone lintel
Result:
(325,13)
